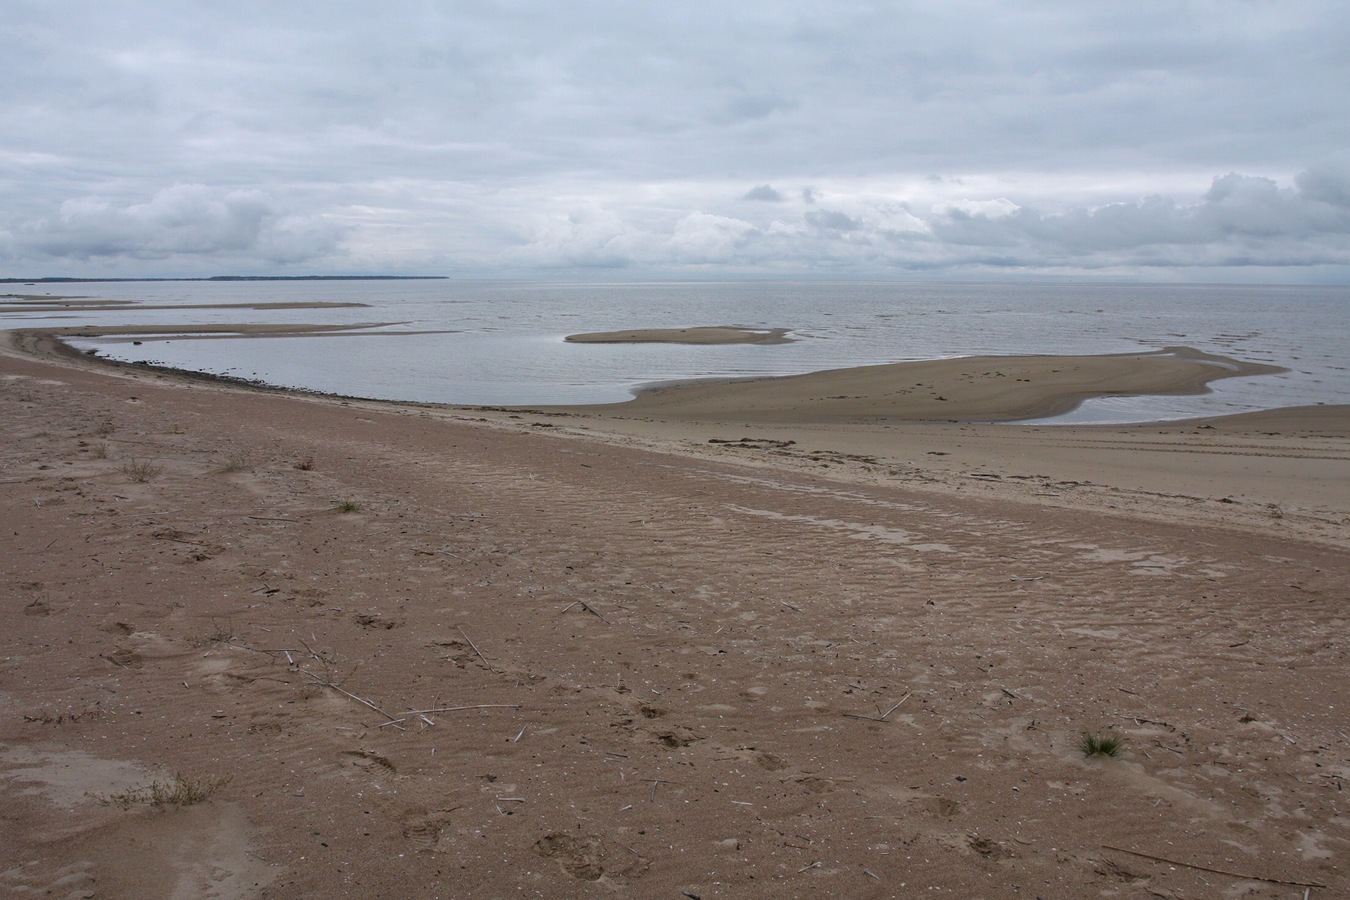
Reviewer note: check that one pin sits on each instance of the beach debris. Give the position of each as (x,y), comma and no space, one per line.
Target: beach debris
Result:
(882,717)
(341,690)
(586,606)
(1177,862)
(657,782)
(476,650)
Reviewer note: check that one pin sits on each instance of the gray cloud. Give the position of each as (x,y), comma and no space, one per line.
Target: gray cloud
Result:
(1240,222)
(179,221)
(494,137)
(763,193)
(831,220)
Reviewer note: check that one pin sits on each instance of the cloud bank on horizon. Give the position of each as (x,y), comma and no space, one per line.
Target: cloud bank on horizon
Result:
(1051,138)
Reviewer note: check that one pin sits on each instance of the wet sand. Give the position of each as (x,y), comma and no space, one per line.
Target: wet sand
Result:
(666,651)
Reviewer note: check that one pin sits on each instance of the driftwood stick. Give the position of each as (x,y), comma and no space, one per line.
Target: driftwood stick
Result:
(441,709)
(895,707)
(311,650)
(586,606)
(657,782)
(1177,862)
(882,717)
(348,693)
(476,650)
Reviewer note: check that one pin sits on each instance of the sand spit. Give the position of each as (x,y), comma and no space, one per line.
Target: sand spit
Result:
(705,334)
(472,653)
(39,304)
(987,388)
(50,339)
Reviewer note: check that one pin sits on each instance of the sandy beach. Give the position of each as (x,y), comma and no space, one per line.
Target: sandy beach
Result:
(834,636)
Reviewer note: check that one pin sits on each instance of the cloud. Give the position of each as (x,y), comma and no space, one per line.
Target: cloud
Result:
(184,220)
(1326,183)
(990,209)
(830,220)
(1242,220)
(923,136)
(764,193)
(751,106)
(588,237)
(1239,221)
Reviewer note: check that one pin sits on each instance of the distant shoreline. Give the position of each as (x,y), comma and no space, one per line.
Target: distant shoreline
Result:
(227,278)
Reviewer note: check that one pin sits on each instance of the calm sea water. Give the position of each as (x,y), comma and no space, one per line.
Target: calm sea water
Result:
(503,341)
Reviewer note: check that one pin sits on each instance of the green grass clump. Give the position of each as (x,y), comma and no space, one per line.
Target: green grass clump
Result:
(347,506)
(180,790)
(1100,744)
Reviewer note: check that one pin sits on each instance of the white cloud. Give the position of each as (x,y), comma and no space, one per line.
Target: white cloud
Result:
(703,238)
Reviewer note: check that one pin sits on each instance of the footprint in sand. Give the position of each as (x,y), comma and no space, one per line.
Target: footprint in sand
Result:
(369,762)
(424,829)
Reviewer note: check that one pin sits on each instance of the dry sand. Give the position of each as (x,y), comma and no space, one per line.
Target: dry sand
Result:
(665,654)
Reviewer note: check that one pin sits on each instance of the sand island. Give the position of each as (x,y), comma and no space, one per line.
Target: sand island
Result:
(704,334)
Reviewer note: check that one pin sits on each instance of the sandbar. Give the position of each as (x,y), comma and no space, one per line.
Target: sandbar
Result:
(55,339)
(703,334)
(37,304)
(985,388)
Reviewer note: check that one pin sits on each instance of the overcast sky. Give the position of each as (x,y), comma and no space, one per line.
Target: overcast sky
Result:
(624,139)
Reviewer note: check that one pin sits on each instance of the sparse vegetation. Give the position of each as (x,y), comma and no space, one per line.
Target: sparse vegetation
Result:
(219,634)
(1100,744)
(305,464)
(238,461)
(141,472)
(99,450)
(347,506)
(104,428)
(180,790)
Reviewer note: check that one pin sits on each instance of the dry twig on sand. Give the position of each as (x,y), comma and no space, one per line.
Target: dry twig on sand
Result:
(422,713)
(476,650)
(347,693)
(882,717)
(586,606)
(1177,862)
